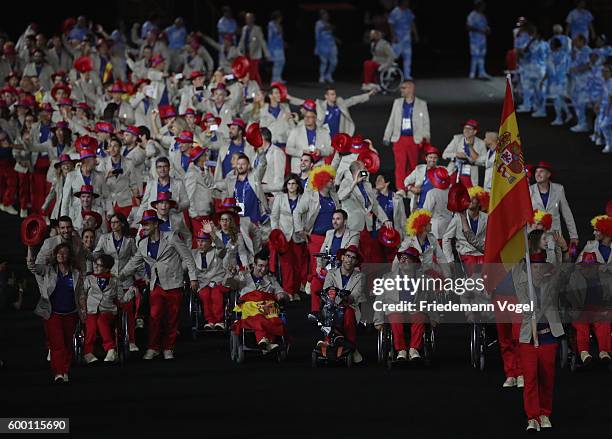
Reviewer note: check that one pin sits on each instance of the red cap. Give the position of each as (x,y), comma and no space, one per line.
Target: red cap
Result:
(196,152)
(352,249)
(472,123)
(195,75)
(282,88)
(241,66)
(133,130)
(87,153)
(310,105)
(164,196)
(105,127)
(238,122)
(83,64)
(148,216)
(411,252)
(86,189)
(185,137)
(371,160)
(358,144)
(253,135)
(341,142)
(544,165)
(389,237)
(33,229)
(94,214)
(60,86)
(458,197)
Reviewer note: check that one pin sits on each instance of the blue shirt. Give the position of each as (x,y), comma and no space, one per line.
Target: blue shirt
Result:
(165,226)
(323,223)
(243,192)
(226,165)
(226,26)
(332,119)
(62,298)
(275,36)
(325,43)
(103,282)
(45,132)
(86,178)
(544,197)
(473,224)
(292,203)
(364,194)
(176,36)
(605,251)
(204,263)
(184,162)
(336,245)
(311,135)
(304,182)
(274,111)
(579,21)
(425,187)
(152,248)
(117,243)
(407,118)
(386,202)
(345,280)
(162,187)
(401,21)
(478,21)
(425,245)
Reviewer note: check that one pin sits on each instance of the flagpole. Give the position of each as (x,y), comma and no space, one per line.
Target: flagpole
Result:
(534,322)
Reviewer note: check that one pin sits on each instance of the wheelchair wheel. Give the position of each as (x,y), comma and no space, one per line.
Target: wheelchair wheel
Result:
(349,359)
(314,359)
(124,339)
(380,346)
(477,346)
(564,354)
(194,317)
(428,345)
(281,355)
(233,345)
(239,354)
(391,78)
(78,342)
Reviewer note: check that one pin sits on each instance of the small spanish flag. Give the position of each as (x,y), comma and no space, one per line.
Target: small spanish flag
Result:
(260,313)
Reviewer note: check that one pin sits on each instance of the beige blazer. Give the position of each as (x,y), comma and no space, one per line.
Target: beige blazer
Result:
(298,142)
(352,200)
(456,145)
(472,244)
(436,201)
(256,47)
(557,205)
(420,121)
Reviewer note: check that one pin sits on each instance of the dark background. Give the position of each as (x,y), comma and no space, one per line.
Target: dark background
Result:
(443,50)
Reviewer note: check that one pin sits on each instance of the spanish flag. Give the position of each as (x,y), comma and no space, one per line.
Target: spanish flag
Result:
(259,312)
(510,204)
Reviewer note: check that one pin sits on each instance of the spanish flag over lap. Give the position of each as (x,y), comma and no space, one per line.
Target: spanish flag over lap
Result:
(510,203)
(260,313)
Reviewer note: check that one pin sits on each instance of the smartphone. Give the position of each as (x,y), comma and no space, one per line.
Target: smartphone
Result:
(229,77)
(178,76)
(214,127)
(363,173)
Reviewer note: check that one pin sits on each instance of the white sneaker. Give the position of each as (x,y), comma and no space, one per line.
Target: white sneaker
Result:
(607,149)
(593,137)
(579,129)
(357,357)
(321,80)
(133,347)
(49,355)
(59,379)
(168,354)
(520,381)
(604,356)
(270,347)
(208,326)
(472,75)
(220,326)
(263,343)
(532,425)
(23,213)
(545,422)
(402,355)
(510,382)
(90,358)
(111,356)
(10,210)
(66,378)
(296,297)
(585,357)
(538,114)
(150,354)
(599,141)
(413,354)
(522,109)
(139,323)
(307,288)
(556,123)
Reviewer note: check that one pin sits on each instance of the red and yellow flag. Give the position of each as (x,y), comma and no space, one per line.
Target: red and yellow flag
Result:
(259,312)
(510,203)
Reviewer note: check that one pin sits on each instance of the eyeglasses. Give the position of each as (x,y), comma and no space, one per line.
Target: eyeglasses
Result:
(115,222)
(350,257)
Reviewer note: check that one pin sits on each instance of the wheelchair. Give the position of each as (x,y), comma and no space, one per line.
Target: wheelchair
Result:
(390,78)
(244,342)
(480,342)
(122,337)
(196,314)
(333,348)
(388,355)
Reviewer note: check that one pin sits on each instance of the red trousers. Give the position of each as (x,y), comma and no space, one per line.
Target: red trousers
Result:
(254,71)
(350,325)
(406,154)
(289,268)
(163,324)
(103,324)
(60,332)
(471,263)
(370,248)
(417,329)
(39,186)
(8,182)
(129,308)
(539,372)
(508,329)
(212,302)
(316,283)
(583,328)
(24,189)
(370,72)
(300,251)
(389,254)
